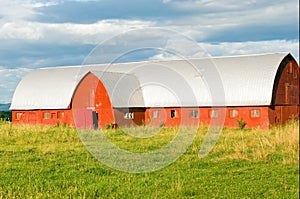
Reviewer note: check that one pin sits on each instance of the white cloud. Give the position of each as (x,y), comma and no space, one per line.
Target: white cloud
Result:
(9,81)
(198,19)
(69,32)
(244,48)
(207,17)
(200,50)
(166,1)
(20,10)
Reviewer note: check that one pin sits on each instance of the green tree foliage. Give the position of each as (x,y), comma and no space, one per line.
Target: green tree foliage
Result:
(5,115)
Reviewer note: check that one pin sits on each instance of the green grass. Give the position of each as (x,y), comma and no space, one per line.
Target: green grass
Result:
(51,162)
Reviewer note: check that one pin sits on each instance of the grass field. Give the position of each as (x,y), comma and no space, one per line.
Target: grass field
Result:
(52,162)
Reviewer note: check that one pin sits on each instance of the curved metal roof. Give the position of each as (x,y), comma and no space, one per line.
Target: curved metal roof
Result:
(221,81)
(49,88)
(123,89)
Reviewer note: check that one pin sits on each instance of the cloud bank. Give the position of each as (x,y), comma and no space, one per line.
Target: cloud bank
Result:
(35,33)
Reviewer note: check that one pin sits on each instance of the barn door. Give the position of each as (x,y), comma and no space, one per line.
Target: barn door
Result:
(84,119)
(95,119)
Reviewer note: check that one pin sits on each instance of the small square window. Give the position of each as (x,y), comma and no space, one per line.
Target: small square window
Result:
(195,114)
(255,113)
(60,115)
(129,116)
(173,113)
(213,114)
(234,113)
(53,115)
(155,114)
(46,115)
(19,115)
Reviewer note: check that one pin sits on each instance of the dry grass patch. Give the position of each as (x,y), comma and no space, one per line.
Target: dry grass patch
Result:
(278,143)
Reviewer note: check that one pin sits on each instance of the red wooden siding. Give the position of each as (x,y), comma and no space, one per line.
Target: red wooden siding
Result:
(103,106)
(89,96)
(171,116)
(129,116)
(208,116)
(287,92)
(56,117)
(184,117)
(286,100)
(92,95)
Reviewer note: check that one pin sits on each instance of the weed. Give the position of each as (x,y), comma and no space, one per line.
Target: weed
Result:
(241,123)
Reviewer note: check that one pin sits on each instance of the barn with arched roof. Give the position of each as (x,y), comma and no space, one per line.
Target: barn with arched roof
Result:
(262,90)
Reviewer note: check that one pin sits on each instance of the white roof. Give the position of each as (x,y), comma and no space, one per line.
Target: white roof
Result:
(124,89)
(221,81)
(49,88)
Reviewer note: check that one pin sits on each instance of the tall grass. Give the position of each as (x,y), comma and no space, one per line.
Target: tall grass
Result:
(280,143)
(52,162)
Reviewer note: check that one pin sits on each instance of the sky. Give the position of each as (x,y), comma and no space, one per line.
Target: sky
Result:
(37,34)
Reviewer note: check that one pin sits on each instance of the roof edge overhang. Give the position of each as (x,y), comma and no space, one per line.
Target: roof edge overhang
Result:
(288,58)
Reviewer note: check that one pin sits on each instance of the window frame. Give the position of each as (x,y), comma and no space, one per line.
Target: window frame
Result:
(18,115)
(129,115)
(231,111)
(155,114)
(60,115)
(213,114)
(255,113)
(173,113)
(46,115)
(195,113)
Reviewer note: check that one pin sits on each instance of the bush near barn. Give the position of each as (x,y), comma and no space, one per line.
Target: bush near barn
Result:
(5,115)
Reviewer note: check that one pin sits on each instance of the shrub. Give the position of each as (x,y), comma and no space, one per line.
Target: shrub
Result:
(241,123)
(5,116)
(111,126)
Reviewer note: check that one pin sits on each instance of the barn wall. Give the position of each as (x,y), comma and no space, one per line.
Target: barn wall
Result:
(91,96)
(175,116)
(47,117)
(208,116)
(287,85)
(247,115)
(285,103)
(184,116)
(279,115)
(129,116)
(103,106)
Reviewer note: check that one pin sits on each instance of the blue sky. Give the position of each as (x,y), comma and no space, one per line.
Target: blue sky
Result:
(35,34)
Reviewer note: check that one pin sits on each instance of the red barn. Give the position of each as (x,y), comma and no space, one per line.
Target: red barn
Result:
(262,90)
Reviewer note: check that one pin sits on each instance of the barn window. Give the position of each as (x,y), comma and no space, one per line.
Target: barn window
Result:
(155,114)
(53,115)
(195,114)
(234,113)
(213,114)
(46,115)
(60,114)
(129,116)
(19,115)
(255,113)
(173,114)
